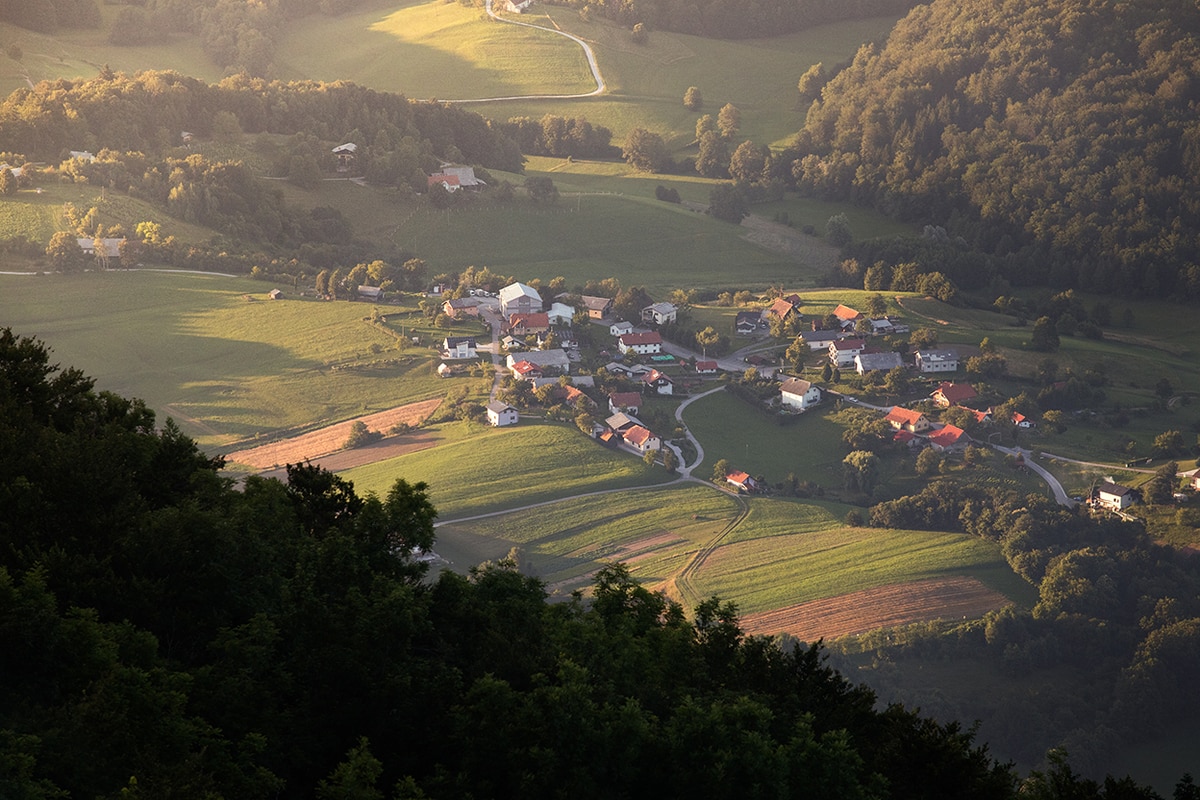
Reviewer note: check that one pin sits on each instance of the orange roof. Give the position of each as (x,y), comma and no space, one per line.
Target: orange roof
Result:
(948,435)
(846,313)
(534,320)
(524,368)
(737,477)
(980,416)
(638,435)
(449,180)
(625,399)
(903,416)
(903,436)
(847,344)
(781,308)
(702,366)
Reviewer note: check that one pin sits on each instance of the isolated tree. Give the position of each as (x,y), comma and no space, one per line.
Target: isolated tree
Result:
(796,354)
(64,252)
(692,100)
(860,469)
(640,35)
(929,462)
(896,381)
(923,339)
(876,277)
(8,182)
(1044,336)
(669,459)
(707,338)
(646,151)
(1161,488)
(705,124)
(649,457)
(1164,389)
(837,230)
(876,306)
(729,121)
(727,202)
(720,470)
(130,251)
(541,189)
(1168,443)
(100,248)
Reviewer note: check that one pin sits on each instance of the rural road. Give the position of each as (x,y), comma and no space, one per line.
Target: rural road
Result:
(1060,494)
(601,87)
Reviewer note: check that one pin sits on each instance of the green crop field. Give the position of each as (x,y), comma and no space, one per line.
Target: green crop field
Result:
(492,469)
(655,531)
(787,552)
(226,368)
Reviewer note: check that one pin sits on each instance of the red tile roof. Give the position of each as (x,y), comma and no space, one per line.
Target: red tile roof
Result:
(706,366)
(739,478)
(947,436)
(902,416)
(781,308)
(625,399)
(846,313)
(637,435)
(631,339)
(847,344)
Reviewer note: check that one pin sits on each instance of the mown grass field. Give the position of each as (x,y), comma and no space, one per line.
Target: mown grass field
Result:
(810,446)
(593,237)
(434,50)
(227,369)
(80,53)
(478,469)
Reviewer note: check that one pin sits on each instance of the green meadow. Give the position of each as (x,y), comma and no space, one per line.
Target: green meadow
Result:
(227,368)
(476,469)
(787,552)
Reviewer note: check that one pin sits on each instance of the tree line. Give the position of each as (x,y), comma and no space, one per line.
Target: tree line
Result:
(165,634)
(1050,136)
(743,19)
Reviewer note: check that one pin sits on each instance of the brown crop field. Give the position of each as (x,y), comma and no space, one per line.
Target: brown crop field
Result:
(882,607)
(330,439)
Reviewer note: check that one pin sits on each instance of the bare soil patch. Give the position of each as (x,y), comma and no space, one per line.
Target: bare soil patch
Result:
(349,459)
(883,607)
(790,242)
(329,440)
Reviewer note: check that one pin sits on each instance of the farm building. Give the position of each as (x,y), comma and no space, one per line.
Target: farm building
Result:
(660,313)
(741,481)
(598,307)
(937,360)
(517,298)
(868,361)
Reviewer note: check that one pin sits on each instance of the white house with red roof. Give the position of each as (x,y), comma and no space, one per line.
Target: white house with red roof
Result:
(904,419)
(629,402)
(741,481)
(640,343)
(843,351)
(658,382)
(641,439)
(526,324)
(707,367)
(947,438)
(526,371)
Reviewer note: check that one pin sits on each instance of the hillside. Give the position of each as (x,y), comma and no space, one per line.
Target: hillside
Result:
(1054,135)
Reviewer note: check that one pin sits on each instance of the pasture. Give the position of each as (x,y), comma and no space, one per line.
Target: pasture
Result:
(227,368)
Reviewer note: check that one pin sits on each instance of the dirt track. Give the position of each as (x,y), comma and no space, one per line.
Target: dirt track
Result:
(328,442)
(884,607)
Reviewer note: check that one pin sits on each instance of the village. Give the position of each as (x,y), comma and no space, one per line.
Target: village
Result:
(572,357)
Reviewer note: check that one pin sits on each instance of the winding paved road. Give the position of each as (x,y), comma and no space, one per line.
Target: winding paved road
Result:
(601,87)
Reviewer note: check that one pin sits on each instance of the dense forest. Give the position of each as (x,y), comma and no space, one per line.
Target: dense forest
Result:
(1060,138)
(165,634)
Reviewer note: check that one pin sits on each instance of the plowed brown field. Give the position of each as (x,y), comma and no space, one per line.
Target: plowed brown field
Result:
(328,440)
(884,607)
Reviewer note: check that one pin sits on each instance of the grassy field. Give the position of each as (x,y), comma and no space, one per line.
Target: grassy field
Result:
(80,53)
(811,446)
(434,50)
(787,552)
(226,368)
(639,242)
(478,470)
